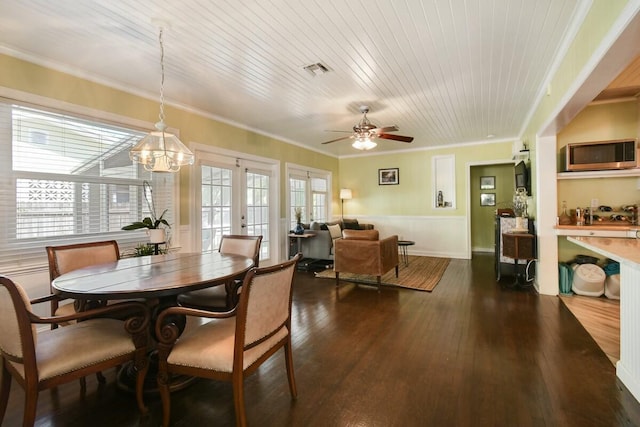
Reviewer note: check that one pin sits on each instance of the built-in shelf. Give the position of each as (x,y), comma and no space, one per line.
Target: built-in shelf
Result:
(599,174)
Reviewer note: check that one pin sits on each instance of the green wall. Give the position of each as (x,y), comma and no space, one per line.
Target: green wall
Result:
(413,196)
(482,217)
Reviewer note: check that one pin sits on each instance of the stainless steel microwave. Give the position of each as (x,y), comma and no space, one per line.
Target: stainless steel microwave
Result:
(600,155)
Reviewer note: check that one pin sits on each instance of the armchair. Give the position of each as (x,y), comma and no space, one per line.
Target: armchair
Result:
(38,360)
(362,252)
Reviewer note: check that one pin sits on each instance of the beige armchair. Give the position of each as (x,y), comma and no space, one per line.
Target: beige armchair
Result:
(224,297)
(63,259)
(362,252)
(233,344)
(38,360)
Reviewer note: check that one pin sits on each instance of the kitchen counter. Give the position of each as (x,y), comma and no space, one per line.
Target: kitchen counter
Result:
(627,252)
(600,230)
(616,248)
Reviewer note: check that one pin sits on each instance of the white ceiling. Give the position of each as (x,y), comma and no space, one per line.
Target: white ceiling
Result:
(443,71)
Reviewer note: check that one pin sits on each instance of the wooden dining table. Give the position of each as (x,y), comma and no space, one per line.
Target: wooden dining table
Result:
(157,279)
(150,277)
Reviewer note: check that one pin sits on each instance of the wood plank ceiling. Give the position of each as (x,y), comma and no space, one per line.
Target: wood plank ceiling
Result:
(444,71)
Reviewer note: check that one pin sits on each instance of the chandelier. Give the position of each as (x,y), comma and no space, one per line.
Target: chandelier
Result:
(161,151)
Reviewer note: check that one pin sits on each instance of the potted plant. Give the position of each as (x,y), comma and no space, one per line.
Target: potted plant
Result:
(152,223)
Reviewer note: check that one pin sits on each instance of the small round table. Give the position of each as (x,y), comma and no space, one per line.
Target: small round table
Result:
(402,245)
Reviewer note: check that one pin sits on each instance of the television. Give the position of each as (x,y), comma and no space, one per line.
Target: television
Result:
(522,178)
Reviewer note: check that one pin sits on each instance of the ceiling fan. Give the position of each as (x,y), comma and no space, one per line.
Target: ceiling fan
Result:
(366,132)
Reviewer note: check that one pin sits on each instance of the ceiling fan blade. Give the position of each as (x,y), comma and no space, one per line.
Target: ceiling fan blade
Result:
(387,129)
(395,137)
(338,139)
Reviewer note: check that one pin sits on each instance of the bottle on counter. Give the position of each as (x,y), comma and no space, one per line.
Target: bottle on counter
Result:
(564,218)
(579,216)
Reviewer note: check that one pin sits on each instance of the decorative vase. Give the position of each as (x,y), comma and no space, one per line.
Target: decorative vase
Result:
(299,229)
(156,235)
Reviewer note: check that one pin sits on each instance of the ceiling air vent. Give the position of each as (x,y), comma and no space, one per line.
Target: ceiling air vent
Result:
(316,69)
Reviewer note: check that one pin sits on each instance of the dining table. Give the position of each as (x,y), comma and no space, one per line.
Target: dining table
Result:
(157,280)
(149,277)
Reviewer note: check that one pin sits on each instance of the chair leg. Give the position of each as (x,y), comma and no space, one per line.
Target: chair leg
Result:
(5,389)
(337,279)
(165,397)
(83,385)
(288,355)
(142,373)
(379,279)
(238,399)
(101,379)
(30,405)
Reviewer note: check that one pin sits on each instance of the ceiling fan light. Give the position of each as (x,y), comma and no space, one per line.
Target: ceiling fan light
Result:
(364,144)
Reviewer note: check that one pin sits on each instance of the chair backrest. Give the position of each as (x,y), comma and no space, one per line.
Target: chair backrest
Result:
(17,333)
(248,246)
(63,259)
(360,234)
(265,303)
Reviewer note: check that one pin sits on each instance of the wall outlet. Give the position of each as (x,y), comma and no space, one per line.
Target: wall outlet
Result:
(595,203)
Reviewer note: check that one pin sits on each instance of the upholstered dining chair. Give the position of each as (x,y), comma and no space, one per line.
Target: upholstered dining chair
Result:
(224,297)
(66,258)
(233,344)
(43,359)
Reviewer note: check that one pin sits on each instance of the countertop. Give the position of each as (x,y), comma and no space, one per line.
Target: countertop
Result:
(604,227)
(617,248)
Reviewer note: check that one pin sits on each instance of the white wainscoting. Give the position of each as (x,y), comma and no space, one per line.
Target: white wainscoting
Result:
(438,236)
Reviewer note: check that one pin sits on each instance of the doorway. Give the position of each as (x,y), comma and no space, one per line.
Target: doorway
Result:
(491,187)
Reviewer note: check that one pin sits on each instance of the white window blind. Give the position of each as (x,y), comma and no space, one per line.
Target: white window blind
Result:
(67,179)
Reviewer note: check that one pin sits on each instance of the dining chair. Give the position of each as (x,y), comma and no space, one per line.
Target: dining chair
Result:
(66,258)
(233,344)
(224,297)
(42,359)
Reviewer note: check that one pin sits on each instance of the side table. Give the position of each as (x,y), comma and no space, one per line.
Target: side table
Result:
(402,246)
(519,246)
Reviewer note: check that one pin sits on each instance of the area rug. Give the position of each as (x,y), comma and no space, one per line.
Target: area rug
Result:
(422,274)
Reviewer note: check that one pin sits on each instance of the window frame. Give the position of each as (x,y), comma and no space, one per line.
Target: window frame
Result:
(28,254)
(307,174)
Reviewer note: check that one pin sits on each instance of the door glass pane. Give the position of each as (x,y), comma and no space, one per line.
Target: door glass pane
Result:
(257,200)
(216,205)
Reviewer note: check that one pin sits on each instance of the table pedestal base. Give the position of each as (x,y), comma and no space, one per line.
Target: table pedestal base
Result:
(126,378)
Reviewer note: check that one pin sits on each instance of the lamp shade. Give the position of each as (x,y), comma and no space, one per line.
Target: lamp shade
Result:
(364,143)
(161,151)
(345,193)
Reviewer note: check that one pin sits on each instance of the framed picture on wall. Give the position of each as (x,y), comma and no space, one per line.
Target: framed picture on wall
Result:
(389,176)
(487,199)
(487,182)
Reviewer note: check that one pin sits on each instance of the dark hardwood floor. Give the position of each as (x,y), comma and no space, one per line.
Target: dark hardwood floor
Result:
(471,353)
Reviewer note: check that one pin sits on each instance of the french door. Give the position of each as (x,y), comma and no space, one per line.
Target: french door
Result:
(236,197)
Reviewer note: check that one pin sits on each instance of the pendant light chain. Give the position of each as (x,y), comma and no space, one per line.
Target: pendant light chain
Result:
(161,116)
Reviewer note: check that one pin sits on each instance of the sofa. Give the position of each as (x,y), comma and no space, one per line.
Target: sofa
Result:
(321,246)
(363,252)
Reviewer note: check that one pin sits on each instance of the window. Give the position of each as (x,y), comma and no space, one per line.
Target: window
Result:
(67,179)
(309,192)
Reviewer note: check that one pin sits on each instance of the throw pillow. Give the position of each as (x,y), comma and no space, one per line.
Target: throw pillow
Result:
(334,231)
(351,224)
